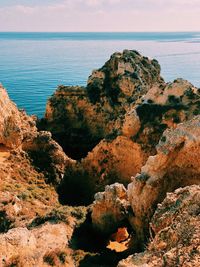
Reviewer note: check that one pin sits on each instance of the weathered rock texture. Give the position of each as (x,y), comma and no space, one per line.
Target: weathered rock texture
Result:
(47,156)
(114,160)
(128,105)
(165,106)
(17,130)
(24,193)
(175,227)
(34,227)
(110,208)
(86,115)
(43,246)
(15,125)
(176,164)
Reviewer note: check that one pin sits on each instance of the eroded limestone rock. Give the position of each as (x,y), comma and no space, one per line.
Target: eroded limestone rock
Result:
(47,156)
(131,124)
(110,209)
(109,162)
(15,125)
(175,228)
(163,107)
(84,116)
(114,161)
(123,78)
(176,164)
(43,246)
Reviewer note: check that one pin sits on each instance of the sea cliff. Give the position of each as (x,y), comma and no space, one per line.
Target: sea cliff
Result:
(111,172)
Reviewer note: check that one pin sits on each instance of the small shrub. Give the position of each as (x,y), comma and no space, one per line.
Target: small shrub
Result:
(190,94)
(163,139)
(50,259)
(5,222)
(94,91)
(173,99)
(196,112)
(14,261)
(54,258)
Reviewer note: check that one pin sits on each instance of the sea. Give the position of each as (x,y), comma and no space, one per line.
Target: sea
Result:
(32,65)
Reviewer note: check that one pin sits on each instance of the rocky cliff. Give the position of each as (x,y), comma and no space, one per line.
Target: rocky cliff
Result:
(83,116)
(174,232)
(123,152)
(34,228)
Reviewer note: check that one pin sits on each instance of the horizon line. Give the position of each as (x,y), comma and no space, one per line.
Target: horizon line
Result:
(154,31)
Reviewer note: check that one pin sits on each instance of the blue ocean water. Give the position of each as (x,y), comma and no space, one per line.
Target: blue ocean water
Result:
(33,64)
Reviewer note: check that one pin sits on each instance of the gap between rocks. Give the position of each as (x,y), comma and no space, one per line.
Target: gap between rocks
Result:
(78,147)
(93,249)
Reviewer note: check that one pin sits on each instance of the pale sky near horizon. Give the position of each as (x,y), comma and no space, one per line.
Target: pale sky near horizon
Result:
(99,15)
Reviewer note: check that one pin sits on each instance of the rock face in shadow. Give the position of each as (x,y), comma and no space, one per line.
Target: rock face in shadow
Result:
(47,156)
(175,227)
(109,162)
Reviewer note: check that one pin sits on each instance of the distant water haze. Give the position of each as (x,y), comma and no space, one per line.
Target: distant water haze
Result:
(33,64)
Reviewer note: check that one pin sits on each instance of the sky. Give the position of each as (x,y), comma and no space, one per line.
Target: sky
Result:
(99,15)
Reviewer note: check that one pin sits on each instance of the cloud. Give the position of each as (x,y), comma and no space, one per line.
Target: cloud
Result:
(106,5)
(99,15)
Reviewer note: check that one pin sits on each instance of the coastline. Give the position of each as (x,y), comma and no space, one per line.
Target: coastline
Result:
(114,162)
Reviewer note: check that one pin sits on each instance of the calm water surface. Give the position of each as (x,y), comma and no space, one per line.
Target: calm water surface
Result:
(33,64)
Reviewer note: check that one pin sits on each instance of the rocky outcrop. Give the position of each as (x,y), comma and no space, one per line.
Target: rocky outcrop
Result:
(47,156)
(124,78)
(34,228)
(18,130)
(43,246)
(175,232)
(79,114)
(110,209)
(109,162)
(164,107)
(176,164)
(15,125)
(119,117)
(114,161)
(66,117)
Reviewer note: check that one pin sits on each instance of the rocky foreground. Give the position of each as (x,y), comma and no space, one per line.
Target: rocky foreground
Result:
(110,176)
